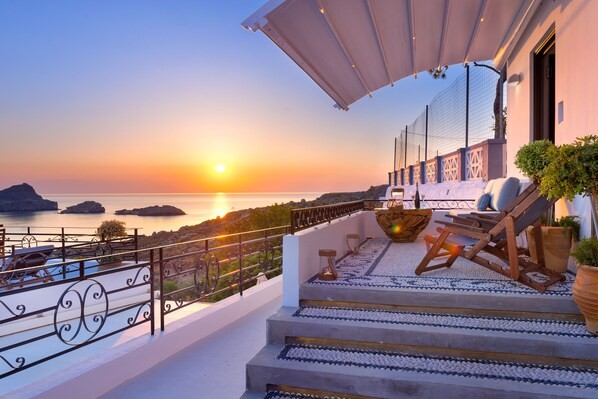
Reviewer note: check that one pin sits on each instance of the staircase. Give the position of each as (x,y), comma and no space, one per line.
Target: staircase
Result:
(375,342)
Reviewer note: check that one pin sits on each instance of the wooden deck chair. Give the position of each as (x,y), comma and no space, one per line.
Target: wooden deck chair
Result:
(26,266)
(468,236)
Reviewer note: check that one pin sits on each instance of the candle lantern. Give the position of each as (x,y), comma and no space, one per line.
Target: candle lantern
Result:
(396,198)
(353,243)
(327,261)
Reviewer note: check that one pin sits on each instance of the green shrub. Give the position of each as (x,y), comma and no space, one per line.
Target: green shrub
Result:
(170,286)
(110,229)
(533,158)
(569,221)
(586,252)
(573,169)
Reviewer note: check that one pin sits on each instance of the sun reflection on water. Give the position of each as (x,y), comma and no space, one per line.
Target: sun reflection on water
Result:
(220,205)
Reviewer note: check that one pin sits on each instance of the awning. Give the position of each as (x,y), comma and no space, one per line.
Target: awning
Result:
(351,48)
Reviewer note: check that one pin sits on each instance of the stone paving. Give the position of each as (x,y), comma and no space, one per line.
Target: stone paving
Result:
(382,263)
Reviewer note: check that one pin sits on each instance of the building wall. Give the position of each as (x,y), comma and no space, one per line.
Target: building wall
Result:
(576,81)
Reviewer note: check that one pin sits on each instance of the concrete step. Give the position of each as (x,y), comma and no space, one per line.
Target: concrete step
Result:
(562,339)
(386,374)
(441,298)
(290,393)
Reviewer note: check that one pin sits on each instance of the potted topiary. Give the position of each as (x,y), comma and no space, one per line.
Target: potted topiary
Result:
(585,288)
(533,160)
(573,170)
(557,240)
(109,230)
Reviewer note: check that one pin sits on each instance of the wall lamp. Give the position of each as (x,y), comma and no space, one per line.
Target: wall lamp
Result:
(513,80)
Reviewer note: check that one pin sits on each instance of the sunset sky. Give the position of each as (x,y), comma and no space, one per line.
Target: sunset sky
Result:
(151,96)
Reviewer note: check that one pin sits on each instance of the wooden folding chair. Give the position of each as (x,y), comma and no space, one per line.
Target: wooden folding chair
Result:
(468,236)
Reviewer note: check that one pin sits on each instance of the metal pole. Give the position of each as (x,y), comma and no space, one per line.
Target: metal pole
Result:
(426,146)
(162,300)
(467,107)
(240,265)
(394,163)
(136,246)
(152,291)
(501,127)
(405,146)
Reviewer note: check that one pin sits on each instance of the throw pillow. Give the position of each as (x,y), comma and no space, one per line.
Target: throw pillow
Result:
(483,202)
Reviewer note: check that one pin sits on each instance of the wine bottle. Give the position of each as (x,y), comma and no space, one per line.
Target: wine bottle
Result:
(416,201)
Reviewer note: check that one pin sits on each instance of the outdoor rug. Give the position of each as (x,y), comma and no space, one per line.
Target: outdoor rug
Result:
(382,263)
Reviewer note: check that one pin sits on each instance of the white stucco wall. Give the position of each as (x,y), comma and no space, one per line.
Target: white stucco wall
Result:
(576,86)
(300,254)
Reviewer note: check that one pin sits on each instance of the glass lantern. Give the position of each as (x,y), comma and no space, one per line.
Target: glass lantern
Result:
(353,243)
(327,262)
(396,198)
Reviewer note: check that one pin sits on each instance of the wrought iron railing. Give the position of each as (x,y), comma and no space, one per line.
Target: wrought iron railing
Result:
(213,268)
(69,242)
(303,218)
(82,303)
(444,204)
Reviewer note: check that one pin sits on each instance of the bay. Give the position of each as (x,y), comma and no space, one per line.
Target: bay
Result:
(198,208)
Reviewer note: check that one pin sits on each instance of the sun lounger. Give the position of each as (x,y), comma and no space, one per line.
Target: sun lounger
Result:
(25,266)
(470,235)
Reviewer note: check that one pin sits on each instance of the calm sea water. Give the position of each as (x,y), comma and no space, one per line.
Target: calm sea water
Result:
(199,207)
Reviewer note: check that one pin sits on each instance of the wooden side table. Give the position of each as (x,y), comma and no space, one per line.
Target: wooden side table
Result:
(403,225)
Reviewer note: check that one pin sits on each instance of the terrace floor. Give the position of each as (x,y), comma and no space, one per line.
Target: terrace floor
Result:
(379,330)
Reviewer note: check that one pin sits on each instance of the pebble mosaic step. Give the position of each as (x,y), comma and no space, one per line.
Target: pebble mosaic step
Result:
(290,395)
(561,328)
(486,371)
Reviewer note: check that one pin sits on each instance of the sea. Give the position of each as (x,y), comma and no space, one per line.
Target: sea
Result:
(198,208)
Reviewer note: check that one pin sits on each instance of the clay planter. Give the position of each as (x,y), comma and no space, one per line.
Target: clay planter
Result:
(557,246)
(585,293)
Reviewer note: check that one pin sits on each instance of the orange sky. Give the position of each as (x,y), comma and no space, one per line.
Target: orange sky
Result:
(151,101)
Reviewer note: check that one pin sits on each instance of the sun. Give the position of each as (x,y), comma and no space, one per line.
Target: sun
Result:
(220,168)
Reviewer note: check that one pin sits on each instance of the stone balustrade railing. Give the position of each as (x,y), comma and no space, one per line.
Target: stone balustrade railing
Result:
(482,161)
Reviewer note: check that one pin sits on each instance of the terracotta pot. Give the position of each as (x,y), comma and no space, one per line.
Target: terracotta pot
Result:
(585,293)
(557,246)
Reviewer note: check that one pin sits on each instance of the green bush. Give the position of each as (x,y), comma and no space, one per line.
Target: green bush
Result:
(110,229)
(170,286)
(573,169)
(586,252)
(533,158)
(569,221)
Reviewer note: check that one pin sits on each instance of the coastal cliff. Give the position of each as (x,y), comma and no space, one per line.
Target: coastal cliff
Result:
(23,198)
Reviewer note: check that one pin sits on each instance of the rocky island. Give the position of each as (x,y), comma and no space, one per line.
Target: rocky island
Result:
(85,207)
(155,210)
(23,198)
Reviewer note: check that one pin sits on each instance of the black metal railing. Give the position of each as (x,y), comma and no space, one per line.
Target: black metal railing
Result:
(81,302)
(302,218)
(82,310)
(69,242)
(444,204)
(214,268)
